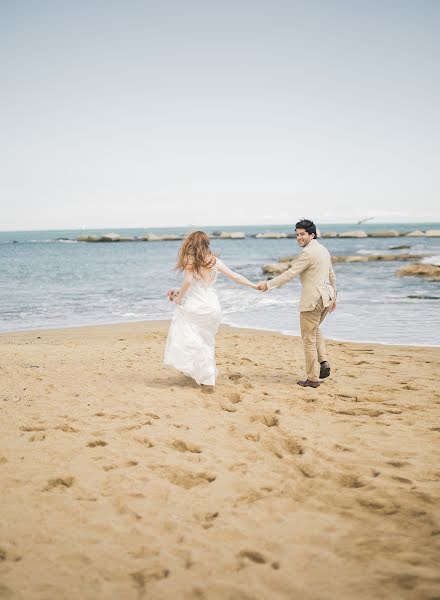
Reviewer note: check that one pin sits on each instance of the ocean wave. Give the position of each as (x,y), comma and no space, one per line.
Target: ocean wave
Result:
(432,260)
(388,251)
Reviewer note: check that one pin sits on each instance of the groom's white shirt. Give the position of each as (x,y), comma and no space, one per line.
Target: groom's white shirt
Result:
(315,270)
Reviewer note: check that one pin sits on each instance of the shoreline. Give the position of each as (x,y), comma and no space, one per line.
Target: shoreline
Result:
(161,322)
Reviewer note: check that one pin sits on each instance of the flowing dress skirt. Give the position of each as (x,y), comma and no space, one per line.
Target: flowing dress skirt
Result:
(190,346)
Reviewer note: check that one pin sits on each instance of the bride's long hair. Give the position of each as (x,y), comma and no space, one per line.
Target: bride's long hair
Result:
(195,253)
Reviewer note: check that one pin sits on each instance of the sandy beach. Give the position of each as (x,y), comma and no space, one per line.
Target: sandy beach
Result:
(120,478)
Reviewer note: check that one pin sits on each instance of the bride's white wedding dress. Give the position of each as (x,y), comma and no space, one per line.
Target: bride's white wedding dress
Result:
(190,346)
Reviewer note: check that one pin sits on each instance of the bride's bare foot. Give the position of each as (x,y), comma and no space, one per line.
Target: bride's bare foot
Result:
(207,389)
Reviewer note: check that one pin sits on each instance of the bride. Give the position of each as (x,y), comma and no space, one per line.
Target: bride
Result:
(190,346)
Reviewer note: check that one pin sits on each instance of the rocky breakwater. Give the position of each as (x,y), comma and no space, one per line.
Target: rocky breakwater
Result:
(271,235)
(285,262)
(108,237)
(381,234)
(227,235)
(432,272)
(154,237)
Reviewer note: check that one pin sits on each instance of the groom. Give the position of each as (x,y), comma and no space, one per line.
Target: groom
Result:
(318,298)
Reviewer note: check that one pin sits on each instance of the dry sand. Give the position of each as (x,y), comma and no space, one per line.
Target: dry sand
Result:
(122,479)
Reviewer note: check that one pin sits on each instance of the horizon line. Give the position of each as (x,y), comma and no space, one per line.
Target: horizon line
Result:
(189,226)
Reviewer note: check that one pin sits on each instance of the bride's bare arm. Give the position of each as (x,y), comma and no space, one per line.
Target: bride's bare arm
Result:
(236,277)
(186,283)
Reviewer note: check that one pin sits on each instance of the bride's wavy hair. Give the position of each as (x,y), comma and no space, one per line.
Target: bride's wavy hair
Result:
(195,253)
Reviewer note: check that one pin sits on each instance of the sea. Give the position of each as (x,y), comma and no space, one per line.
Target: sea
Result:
(50,280)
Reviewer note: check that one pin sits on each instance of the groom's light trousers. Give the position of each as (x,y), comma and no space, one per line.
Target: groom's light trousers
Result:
(313,341)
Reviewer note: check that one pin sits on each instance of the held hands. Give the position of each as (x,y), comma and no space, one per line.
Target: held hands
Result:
(262,286)
(173,296)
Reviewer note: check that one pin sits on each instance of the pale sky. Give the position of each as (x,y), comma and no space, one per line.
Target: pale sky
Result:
(169,113)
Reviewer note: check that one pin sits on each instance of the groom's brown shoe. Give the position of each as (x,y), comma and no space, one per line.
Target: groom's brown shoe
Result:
(308,383)
(324,371)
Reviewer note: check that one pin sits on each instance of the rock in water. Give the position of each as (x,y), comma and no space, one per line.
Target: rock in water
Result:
(380,234)
(420,270)
(416,233)
(276,268)
(353,234)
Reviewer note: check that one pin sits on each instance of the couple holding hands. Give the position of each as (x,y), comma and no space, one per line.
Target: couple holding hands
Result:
(190,345)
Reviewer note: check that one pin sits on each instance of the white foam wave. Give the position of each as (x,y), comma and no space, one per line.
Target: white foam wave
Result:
(432,260)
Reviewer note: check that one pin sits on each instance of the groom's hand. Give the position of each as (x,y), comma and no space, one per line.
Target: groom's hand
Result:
(262,286)
(332,307)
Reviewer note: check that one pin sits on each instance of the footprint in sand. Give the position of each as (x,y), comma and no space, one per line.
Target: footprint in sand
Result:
(342,448)
(379,506)
(206,519)
(348,480)
(235,377)
(28,428)
(293,446)
(401,479)
(306,471)
(129,463)
(95,443)
(360,412)
(252,555)
(145,442)
(134,427)
(182,446)
(61,482)
(37,437)
(10,556)
(183,478)
(67,428)
(253,437)
(228,407)
(397,463)
(123,509)
(148,575)
(235,398)
(268,419)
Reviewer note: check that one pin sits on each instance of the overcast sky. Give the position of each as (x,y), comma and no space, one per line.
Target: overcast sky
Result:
(163,113)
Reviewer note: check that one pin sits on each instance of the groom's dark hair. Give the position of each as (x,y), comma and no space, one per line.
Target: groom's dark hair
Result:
(309,226)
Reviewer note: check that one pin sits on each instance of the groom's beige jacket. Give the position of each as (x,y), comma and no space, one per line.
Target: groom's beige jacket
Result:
(315,270)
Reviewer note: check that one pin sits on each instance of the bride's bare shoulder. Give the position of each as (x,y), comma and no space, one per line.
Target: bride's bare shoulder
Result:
(216,262)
